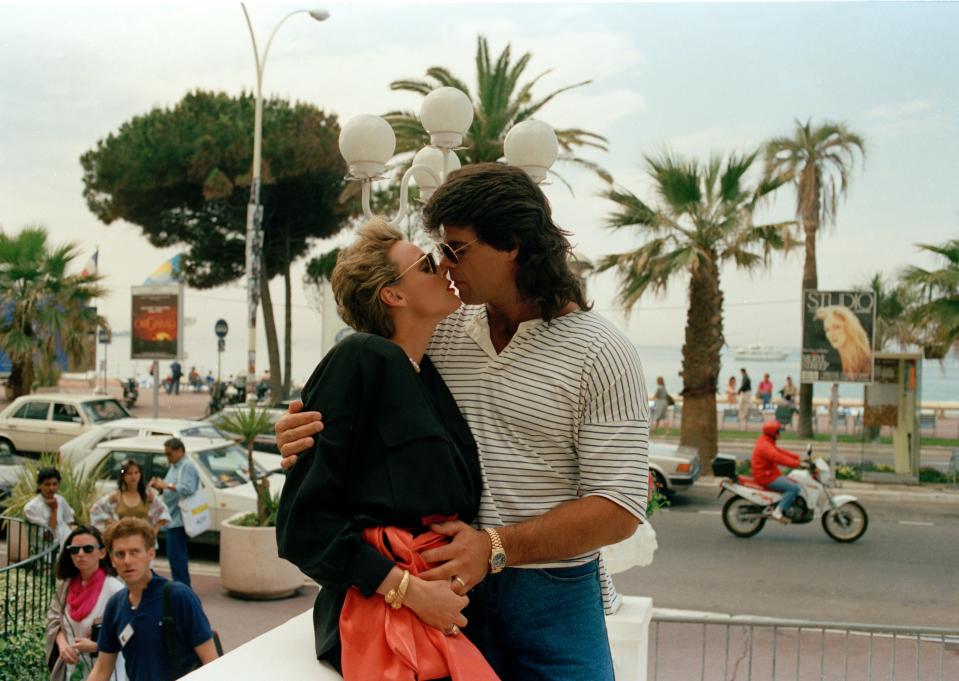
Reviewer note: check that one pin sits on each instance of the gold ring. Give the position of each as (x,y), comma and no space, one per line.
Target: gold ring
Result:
(459,581)
(452,631)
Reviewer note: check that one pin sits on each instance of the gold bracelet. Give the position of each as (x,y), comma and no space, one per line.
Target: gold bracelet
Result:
(394,597)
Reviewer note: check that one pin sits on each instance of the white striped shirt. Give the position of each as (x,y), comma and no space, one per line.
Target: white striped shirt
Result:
(560,414)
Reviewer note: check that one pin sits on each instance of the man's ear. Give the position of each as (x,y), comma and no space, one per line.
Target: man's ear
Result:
(392,297)
(513,253)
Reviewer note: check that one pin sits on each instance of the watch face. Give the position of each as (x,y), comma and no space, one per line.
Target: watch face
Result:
(498,561)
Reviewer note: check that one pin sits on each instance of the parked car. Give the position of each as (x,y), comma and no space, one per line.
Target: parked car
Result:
(674,468)
(222,466)
(79,446)
(32,424)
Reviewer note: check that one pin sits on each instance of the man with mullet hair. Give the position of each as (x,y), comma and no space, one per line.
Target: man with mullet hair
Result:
(555,397)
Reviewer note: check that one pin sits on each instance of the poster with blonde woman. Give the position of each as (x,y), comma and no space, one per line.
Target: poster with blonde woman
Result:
(838,336)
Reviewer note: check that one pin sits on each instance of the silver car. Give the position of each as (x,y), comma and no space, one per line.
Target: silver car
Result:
(674,468)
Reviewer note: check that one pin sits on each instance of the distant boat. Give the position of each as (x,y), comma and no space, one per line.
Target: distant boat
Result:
(760,352)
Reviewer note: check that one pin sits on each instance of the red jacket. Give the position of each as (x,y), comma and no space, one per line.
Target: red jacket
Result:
(767,458)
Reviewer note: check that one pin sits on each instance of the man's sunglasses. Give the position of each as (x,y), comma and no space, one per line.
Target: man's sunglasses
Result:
(86,548)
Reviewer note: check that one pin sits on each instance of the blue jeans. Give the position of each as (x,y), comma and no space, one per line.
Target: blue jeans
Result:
(789,490)
(542,624)
(176,553)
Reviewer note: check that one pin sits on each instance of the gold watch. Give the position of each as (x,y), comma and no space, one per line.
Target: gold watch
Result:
(497,556)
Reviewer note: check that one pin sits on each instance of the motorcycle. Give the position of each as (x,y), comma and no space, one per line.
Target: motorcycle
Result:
(130,392)
(843,517)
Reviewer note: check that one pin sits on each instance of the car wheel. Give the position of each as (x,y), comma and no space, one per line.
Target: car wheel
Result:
(660,481)
(6,447)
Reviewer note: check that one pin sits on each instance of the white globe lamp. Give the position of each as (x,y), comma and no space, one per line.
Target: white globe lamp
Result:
(446,114)
(367,143)
(532,145)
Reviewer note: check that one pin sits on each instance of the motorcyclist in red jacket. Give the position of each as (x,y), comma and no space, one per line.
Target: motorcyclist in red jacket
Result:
(767,458)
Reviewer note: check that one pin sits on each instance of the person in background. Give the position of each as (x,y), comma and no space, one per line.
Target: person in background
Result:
(767,458)
(745,395)
(181,481)
(85,582)
(48,509)
(731,390)
(660,403)
(176,373)
(789,392)
(131,500)
(765,391)
(133,618)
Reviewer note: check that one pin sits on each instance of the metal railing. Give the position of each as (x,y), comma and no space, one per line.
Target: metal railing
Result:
(708,648)
(27,581)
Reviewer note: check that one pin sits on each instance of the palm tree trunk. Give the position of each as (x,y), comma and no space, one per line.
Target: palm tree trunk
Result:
(701,361)
(810,279)
(272,342)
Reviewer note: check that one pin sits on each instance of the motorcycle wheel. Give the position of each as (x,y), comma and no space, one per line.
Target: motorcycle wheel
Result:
(742,517)
(847,523)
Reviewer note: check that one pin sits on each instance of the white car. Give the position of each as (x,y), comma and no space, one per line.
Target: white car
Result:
(222,466)
(674,468)
(42,423)
(79,446)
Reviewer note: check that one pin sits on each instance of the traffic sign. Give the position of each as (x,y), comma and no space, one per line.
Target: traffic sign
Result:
(221,328)
(221,345)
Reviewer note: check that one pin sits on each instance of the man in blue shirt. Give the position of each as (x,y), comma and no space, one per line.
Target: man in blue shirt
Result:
(181,481)
(133,619)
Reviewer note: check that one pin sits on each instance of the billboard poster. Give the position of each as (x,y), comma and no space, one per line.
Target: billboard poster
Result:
(157,324)
(837,340)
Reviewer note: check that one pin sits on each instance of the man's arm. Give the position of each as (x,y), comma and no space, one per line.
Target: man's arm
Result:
(103,669)
(206,652)
(570,529)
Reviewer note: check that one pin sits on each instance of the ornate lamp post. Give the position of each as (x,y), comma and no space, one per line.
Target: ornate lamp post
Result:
(254,212)
(367,143)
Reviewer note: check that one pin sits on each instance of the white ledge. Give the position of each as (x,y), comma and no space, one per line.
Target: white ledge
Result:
(288,652)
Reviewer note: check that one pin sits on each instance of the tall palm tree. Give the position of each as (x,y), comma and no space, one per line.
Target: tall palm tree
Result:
(937,313)
(818,160)
(499,102)
(704,219)
(42,307)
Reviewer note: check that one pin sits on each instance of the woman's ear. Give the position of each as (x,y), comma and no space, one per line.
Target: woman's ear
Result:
(392,297)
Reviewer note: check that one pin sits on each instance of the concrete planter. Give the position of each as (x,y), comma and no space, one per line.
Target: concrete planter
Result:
(249,566)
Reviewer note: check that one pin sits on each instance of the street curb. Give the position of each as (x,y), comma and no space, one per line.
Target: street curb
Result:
(868,491)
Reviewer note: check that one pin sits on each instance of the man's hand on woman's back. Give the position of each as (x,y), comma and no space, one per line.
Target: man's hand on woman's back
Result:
(295,431)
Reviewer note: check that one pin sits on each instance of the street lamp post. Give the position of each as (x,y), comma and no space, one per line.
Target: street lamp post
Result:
(367,143)
(254,211)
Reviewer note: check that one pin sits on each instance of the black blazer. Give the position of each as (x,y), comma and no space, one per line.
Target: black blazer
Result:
(394,449)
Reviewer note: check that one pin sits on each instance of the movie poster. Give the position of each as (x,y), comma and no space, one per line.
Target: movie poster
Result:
(156,328)
(837,339)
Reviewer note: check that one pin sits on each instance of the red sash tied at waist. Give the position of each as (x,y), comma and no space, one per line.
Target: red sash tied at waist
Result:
(383,644)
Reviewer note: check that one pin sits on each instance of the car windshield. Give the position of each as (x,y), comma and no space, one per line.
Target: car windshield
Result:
(227,466)
(101,411)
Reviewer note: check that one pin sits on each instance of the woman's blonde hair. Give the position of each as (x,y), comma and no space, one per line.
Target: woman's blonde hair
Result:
(362,270)
(856,355)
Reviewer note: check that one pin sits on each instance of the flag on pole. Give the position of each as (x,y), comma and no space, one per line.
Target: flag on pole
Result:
(166,274)
(90,269)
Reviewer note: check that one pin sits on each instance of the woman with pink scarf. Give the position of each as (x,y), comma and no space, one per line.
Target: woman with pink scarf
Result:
(85,584)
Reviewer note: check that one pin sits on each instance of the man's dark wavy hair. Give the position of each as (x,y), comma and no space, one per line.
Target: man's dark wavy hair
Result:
(507,209)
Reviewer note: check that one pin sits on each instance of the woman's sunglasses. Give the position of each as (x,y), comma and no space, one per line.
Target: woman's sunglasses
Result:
(428,260)
(86,548)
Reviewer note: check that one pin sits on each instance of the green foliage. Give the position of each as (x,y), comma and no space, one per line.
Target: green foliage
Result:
(248,424)
(936,314)
(78,488)
(251,520)
(45,307)
(21,655)
(934,476)
(845,472)
(182,174)
(656,501)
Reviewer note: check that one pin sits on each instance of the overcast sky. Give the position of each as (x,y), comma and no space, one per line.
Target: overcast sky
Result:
(694,78)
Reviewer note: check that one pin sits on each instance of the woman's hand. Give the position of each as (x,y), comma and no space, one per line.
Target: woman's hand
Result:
(435,603)
(67,652)
(86,645)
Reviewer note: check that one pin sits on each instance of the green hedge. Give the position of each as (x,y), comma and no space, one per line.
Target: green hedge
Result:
(21,656)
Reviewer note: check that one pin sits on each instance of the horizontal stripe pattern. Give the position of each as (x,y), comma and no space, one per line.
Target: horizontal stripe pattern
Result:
(560,414)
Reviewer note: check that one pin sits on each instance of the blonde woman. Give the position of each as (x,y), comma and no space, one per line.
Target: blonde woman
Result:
(846,334)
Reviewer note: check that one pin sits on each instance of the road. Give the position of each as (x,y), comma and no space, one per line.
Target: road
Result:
(905,570)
